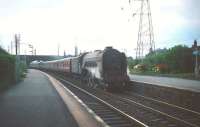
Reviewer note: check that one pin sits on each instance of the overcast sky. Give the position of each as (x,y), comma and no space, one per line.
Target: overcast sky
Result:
(94,24)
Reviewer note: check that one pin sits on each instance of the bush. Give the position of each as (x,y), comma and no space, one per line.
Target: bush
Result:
(7,58)
(161,68)
(177,59)
(140,67)
(11,70)
(7,73)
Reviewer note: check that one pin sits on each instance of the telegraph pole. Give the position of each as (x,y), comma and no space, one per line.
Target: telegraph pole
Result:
(8,49)
(58,49)
(64,54)
(32,50)
(16,44)
(17,61)
(76,51)
(11,47)
(35,52)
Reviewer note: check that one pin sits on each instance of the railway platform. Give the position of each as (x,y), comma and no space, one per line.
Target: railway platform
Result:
(36,102)
(185,84)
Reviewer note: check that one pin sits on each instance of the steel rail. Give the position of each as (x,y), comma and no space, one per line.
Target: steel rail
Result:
(105,103)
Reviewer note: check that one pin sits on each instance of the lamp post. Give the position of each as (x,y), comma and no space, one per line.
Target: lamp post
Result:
(196,53)
(196,64)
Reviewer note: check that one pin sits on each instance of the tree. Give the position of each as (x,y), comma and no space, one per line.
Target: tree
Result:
(178,59)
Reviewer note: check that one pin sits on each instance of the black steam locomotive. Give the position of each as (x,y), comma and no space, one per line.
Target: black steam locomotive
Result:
(102,68)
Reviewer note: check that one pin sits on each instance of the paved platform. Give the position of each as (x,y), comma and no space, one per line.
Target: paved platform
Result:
(34,103)
(178,83)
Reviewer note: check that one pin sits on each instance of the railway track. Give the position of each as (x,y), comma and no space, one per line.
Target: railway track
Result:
(110,114)
(146,114)
(149,111)
(187,116)
(180,97)
(184,111)
(162,114)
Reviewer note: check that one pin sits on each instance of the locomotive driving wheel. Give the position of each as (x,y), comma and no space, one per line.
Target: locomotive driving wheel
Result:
(91,82)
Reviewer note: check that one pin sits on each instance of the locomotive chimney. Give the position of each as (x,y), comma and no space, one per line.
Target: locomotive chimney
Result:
(109,47)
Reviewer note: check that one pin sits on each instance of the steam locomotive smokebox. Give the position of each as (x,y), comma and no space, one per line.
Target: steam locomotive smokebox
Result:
(114,63)
(180,97)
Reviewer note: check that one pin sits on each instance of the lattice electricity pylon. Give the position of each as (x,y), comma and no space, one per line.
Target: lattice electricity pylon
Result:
(145,42)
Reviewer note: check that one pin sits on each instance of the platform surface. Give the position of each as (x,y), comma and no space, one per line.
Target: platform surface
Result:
(34,103)
(192,85)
